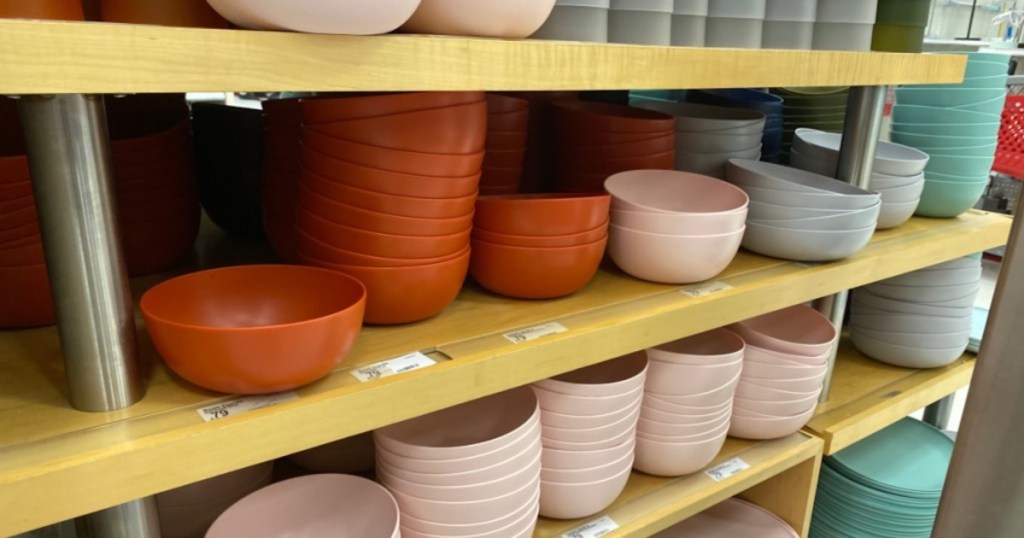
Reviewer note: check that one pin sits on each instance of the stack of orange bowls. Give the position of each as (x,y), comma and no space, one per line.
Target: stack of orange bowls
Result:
(507,122)
(25,299)
(191,13)
(538,246)
(386,194)
(596,140)
(70,10)
(155,182)
(282,130)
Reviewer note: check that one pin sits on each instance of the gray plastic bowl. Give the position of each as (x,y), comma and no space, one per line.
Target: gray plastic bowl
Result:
(851,220)
(804,245)
(810,199)
(908,357)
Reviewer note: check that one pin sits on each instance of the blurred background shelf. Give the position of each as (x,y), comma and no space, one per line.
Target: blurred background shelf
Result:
(74,463)
(868,395)
(67,57)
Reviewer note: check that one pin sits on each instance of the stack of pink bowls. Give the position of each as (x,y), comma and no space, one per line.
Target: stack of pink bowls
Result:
(688,402)
(386,194)
(155,183)
(595,140)
(674,227)
(589,424)
(337,505)
(469,470)
(538,246)
(188,511)
(507,128)
(282,131)
(25,299)
(785,363)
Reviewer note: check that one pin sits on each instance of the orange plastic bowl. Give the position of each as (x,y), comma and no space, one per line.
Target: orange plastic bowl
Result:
(541,214)
(535,273)
(387,182)
(392,204)
(380,244)
(193,13)
(569,240)
(395,160)
(363,219)
(255,329)
(317,252)
(14,170)
(69,10)
(597,116)
(25,299)
(330,109)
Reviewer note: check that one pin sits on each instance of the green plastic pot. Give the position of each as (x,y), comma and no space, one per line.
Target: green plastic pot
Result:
(897,38)
(903,12)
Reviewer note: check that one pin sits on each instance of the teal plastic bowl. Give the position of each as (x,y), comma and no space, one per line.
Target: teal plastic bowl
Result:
(995,106)
(938,176)
(944,199)
(931,114)
(967,151)
(923,141)
(947,97)
(984,130)
(986,57)
(998,81)
(960,165)
(985,69)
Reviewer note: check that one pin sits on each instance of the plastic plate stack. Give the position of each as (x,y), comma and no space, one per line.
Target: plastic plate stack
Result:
(802,216)
(958,126)
(761,101)
(897,172)
(784,364)
(688,402)
(589,419)
(661,231)
(886,485)
(733,518)
(917,320)
(472,469)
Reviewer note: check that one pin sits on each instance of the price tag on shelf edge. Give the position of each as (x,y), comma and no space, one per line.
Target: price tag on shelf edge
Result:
(703,290)
(393,366)
(535,332)
(244,404)
(593,529)
(727,469)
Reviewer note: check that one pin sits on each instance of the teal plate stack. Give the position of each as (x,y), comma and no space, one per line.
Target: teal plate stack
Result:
(884,486)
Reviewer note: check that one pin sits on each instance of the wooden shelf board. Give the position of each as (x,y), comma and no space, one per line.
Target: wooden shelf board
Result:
(651,503)
(75,463)
(868,395)
(66,57)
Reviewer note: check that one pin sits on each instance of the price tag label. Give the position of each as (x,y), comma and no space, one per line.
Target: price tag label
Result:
(244,405)
(393,366)
(533,333)
(593,529)
(727,469)
(703,290)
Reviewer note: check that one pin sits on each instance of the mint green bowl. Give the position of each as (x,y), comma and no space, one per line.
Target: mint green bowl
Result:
(947,97)
(996,81)
(950,178)
(985,130)
(944,199)
(964,151)
(931,114)
(924,141)
(995,106)
(960,166)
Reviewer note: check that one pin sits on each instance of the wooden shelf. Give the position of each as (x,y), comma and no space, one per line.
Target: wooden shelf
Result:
(66,57)
(650,503)
(868,395)
(74,463)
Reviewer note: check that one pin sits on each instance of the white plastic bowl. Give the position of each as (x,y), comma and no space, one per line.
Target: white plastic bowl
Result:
(891,159)
(698,118)
(924,294)
(850,220)
(810,199)
(917,340)
(761,174)
(910,323)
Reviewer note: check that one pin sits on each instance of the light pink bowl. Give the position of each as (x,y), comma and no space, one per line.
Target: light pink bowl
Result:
(469,512)
(749,390)
(765,428)
(710,433)
(463,465)
(650,413)
(470,429)
(191,509)
(591,474)
(686,379)
(476,476)
(609,378)
(559,420)
(521,527)
(804,384)
(307,506)
(412,526)
(484,18)
(648,428)
(788,408)
(799,329)
(719,346)
(655,403)
(672,259)
(710,398)
(775,371)
(574,460)
(680,223)
(572,501)
(607,442)
(591,435)
(585,405)
(355,17)
(494,488)
(672,191)
(675,459)
(766,356)
(732,518)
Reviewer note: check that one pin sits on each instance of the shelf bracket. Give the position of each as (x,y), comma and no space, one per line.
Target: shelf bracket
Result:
(864,110)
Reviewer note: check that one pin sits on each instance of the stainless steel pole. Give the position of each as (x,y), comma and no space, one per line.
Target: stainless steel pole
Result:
(939,413)
(136,519)
(66,137)
(864,110)
(984,493)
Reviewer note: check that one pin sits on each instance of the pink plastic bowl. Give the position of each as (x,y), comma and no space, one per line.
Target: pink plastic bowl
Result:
(456,466)
(803,384)
(494,488)
(799,329)
(775,408)
(356,17)
(652,428)
(694,413)
(673,191)
(672,259)
(609,378)
(685,379)
(752,391)
(675,459)
(414,527)
(390,463)
(680,223)
(767,356)
(768,428)
(559,420)
(591,435)
(777,371)
(681,415)
(572,501)
(705,434)
(606,442)
(468,512)
(718,346)
(574,460)
(585,405)
(484,18)
(589,474)
(711,398)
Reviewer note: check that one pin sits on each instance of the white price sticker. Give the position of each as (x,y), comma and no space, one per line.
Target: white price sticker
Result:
(393,366)
(244,405)
(703,290)
(727,469)
(593,529)
(533,333)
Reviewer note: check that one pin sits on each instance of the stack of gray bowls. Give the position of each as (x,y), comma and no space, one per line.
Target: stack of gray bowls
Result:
(917,320)
(802,216)
(640,22)
(576,20)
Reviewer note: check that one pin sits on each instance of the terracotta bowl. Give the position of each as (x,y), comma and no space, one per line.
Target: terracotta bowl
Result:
(392,204)
(195,13)
(535,273)
(14,171)
(25,299)
(589,115)
(548,241)
(310,248)
(317,111)
(380,244)
(354,217)
(541,214)
(406,162)
(387,182)
(68,10)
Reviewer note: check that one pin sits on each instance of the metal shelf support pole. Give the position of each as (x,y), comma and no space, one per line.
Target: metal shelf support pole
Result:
(864,110)
(983,493)
(940,413)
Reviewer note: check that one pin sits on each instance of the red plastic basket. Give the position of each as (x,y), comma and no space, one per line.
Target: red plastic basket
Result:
(1010,151)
